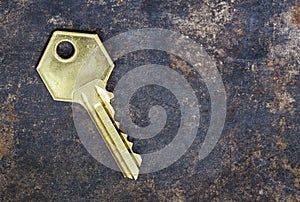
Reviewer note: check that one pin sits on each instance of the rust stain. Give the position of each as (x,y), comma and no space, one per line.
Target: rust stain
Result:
(178,64)
(6,141)
(280,143)
(296,15)
(232,138)
(283,100)
(294,169)
(238,31)
(8,118)
(175,193)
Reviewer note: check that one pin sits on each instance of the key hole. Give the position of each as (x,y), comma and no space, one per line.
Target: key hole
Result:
(65,49)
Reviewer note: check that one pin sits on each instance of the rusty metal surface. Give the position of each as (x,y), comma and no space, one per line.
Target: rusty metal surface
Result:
(255,45)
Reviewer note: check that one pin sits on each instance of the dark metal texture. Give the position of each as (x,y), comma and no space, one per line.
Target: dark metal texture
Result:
(255,45)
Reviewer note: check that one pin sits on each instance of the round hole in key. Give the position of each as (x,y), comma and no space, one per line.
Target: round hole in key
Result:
(65,49)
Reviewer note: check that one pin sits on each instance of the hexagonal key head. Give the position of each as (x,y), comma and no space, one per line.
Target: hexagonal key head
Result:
(60,73)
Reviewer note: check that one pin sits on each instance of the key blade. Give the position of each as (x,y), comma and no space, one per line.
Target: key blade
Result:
(121,149)
(105,100)
(137,157)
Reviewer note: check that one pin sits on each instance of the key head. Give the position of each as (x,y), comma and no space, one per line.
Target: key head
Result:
(63,74)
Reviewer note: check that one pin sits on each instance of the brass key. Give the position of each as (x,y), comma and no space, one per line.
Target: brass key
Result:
(66,81)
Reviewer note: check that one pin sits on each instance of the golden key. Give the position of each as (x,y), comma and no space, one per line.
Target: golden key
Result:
(66,81)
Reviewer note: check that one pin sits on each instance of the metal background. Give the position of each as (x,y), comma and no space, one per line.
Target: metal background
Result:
(255,45)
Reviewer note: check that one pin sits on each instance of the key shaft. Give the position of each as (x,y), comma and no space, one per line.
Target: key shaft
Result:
(116,141)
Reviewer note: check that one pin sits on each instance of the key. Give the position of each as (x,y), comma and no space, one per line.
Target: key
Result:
(73,77)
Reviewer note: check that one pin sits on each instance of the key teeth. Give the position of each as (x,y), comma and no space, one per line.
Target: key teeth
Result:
(103,94)
(128,144)
(137,157)
(124,135)
(105,97)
